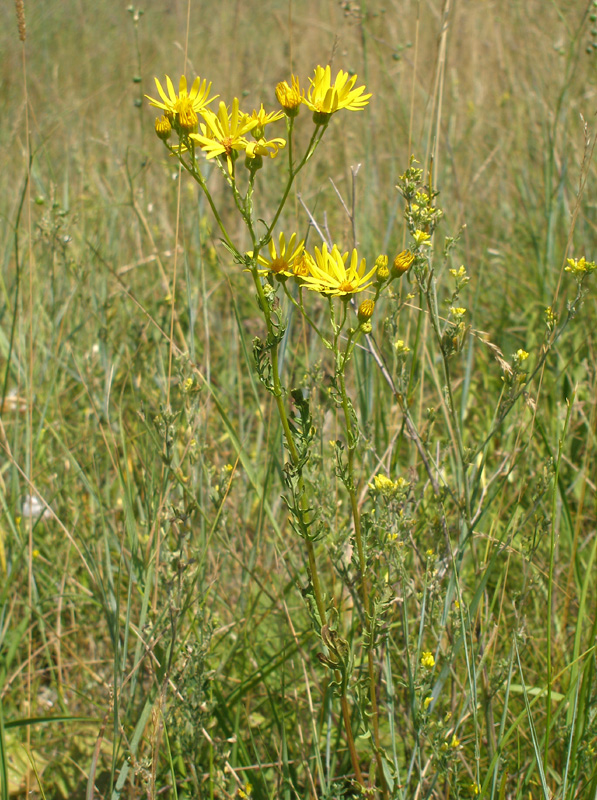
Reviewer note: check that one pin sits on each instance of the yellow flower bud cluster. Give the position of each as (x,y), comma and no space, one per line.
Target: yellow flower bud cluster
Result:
(580,267)
(389,488)
(427,659)
(383,273)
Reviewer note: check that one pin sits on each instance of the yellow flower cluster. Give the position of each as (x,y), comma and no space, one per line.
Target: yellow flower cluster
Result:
(224,134)
(328,272)
(427,660)
(580,266)
(387,487)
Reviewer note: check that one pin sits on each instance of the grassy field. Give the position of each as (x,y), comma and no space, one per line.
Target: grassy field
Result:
(239,558)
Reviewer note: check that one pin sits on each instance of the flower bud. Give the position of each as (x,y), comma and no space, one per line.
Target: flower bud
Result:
(289,97)
(366,310)
(402,262)
(253,164)
(163,128)
(383,273)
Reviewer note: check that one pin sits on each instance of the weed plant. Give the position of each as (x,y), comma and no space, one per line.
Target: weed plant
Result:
(298,429)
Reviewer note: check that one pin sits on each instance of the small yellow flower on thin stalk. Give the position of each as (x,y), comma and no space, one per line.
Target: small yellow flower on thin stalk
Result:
(263,118)
(458,273)
(224,133)
(290,96)
(580,266)
(421,238)
(325,97)
(427,660)
(383,484)
(284,259)
(330,276)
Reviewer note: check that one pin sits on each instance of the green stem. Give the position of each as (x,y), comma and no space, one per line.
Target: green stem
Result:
(341,361)
(315,580)
(434,316)
(196,174)
(291,176)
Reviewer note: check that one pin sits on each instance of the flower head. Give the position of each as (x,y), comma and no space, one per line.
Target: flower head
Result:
(182,108)
(263,147)
(263,118)
(580,266)
(301,266)
(223,133)
(325,97)
(290,97)
(329,274)
(283,259)
(422,238)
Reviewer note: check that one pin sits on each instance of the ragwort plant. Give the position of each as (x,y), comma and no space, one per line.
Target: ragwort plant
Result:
(369,607)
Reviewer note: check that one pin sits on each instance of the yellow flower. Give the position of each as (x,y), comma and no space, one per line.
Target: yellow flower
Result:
(284,259)
(223,133)
(427,659)
(427,702)
(325,97)
(454,742)
(182,108)
(381,483)
(580,266)
(401,348)
(301,266)
(263,119)
(458,313)
(422,238)
(521,355)
(262,147)
(330,276)
(290,97)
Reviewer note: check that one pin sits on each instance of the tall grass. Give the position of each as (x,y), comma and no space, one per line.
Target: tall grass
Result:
(155,632)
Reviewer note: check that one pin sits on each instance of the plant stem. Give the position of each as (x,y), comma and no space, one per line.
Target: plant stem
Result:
(314,572)
(358,535)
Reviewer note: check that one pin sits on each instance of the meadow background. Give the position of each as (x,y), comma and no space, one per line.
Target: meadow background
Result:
(153,638)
